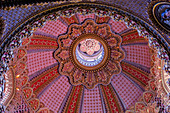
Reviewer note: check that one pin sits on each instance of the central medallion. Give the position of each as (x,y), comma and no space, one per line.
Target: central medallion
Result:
(89,54)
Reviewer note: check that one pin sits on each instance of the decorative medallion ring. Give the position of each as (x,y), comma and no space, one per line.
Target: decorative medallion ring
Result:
(90,60)
(89,54)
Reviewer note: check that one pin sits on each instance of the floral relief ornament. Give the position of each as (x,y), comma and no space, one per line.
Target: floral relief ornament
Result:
(89,46)
(88,35)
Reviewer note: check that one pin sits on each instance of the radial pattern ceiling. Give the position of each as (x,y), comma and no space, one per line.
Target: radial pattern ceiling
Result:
(82,60)
(71,82)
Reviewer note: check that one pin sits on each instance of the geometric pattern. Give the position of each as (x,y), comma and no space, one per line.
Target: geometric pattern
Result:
(69,64)
(13,17)
(92,101)
(39,60)
(112,102)
(136,74)
(127,91)
(52,88)
(73,103)
(54,28)
(131,37)
(117,27)
(43,79)
(139,54)
(54,95)
(83,17)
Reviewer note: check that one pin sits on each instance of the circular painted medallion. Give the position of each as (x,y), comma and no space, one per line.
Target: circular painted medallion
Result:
(89,54)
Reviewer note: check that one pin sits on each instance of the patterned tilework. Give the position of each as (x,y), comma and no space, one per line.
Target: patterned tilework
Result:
(135,73)
(40,82)
(92,101)
(139,54)
(54,95)
(13,17)
(126,90)
(38,32)
(53,28)
(117,27)
(39,60)
(139,7)
(82,17)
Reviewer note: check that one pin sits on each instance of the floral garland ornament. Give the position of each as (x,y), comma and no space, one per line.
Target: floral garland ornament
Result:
(94,67)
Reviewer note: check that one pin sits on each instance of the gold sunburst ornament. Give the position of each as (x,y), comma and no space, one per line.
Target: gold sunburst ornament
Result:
(89,54)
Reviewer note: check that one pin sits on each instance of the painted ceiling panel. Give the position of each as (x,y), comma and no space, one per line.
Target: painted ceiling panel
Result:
(39,60)
(139,54)
(49,60)
(54,28)
(92,101)
(117,27)
(127,91)
(55,94)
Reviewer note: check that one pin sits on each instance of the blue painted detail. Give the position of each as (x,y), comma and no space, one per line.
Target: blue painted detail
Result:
(90,63)
(14,16)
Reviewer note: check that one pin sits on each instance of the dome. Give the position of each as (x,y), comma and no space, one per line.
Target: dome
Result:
(89,58)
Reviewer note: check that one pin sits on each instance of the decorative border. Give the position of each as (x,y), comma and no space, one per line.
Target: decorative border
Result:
(104,6)
(74,100)
(9,90)
(2,26)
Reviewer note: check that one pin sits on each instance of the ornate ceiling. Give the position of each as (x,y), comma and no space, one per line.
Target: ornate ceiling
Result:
(83,57)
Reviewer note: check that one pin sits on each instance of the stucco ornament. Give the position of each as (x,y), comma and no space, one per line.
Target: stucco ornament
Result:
(89,54)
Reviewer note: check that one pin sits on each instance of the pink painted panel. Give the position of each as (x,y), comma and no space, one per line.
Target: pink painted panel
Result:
(54,95)
(116,26)
(82,17)
(128,92)
(139,54)
(39,60)
(54,28)
(92,101)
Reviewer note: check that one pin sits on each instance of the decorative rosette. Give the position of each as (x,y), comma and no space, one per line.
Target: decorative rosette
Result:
(99,44)
(89,46)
